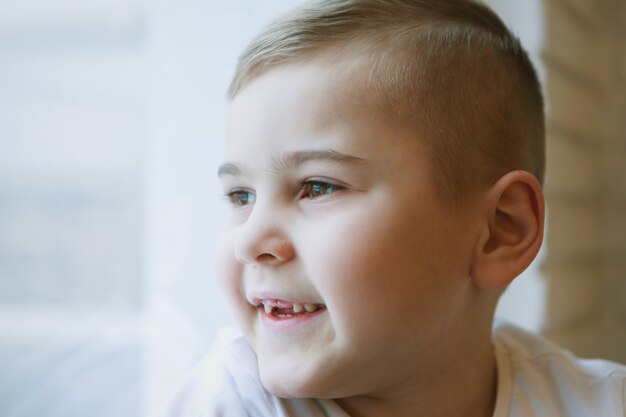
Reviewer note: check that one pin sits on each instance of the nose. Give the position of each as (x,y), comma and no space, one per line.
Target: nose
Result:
(262,239)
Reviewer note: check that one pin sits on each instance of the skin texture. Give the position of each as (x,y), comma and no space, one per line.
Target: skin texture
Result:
(407,281)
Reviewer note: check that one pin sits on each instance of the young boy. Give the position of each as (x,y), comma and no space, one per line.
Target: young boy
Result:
(383,163)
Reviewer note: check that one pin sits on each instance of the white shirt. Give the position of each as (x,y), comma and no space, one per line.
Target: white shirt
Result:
(538,378)
(535,378)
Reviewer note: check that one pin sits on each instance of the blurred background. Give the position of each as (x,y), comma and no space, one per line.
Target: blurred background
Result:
(111,128)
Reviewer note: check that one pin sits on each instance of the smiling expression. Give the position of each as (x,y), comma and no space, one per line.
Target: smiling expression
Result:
(344,268)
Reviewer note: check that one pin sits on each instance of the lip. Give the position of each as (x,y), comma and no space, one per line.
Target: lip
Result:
(287,325)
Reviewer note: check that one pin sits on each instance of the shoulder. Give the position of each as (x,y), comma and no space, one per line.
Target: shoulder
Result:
(224,383)
(541,378)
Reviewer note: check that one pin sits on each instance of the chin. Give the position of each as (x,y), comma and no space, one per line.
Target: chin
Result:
(289,384)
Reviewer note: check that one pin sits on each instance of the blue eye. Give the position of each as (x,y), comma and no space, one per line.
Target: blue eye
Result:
(314,189)
(240,198)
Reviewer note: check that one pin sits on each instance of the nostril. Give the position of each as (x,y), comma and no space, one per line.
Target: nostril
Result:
(265,257)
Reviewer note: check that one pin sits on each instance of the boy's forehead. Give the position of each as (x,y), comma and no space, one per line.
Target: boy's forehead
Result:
(323,88)
(315,104)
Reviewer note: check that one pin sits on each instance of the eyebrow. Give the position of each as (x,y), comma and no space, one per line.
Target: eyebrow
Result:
(291,160)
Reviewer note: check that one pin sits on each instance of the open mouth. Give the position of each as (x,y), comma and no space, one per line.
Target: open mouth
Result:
(281,310)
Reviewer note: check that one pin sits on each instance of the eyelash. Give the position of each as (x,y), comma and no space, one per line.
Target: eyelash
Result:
(307,188)
(234,197)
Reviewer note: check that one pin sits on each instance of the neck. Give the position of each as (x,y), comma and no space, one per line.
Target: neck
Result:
(462,383)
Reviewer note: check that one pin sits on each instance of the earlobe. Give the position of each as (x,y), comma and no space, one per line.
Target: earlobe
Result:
(512,230)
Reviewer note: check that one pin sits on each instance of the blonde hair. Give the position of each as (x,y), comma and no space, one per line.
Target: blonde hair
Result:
(449,70)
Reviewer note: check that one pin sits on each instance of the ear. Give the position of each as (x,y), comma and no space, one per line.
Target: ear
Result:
(512,230)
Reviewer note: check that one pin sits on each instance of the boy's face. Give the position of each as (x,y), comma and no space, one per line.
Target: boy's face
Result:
(335,208)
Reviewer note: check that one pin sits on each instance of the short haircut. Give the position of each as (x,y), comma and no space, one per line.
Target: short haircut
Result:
(450,70)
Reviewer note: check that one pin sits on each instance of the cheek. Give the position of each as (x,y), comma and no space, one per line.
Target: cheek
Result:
(224,260)
(374,268)
(229,273)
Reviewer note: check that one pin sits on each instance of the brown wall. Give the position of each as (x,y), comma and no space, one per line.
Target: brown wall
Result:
(585,58)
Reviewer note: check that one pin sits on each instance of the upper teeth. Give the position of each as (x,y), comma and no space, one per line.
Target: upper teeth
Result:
(269,305)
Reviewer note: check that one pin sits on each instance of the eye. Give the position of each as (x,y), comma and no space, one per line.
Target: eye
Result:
(240,198)
(314,189)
